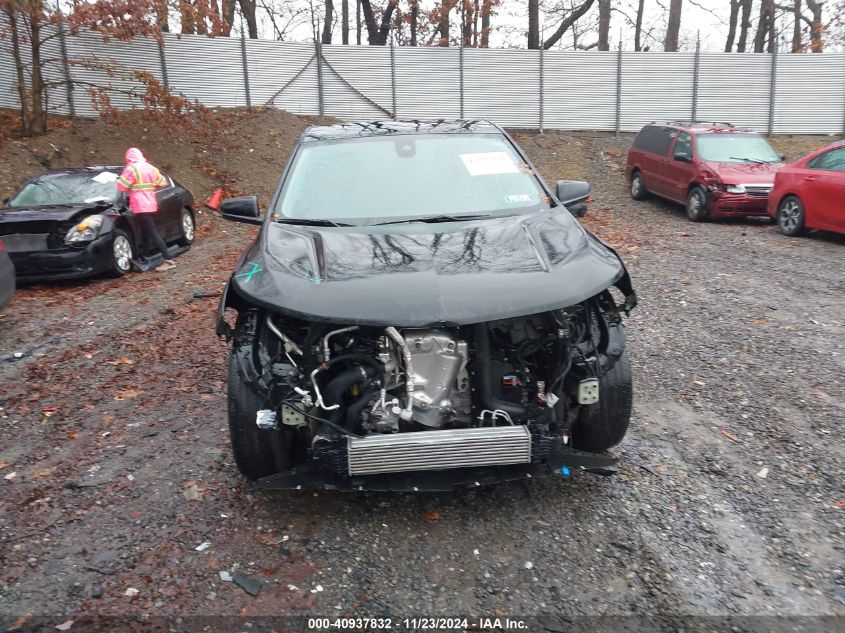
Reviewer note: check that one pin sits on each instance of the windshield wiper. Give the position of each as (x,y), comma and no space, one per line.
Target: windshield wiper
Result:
(758,161)
(306,222)
(434,219)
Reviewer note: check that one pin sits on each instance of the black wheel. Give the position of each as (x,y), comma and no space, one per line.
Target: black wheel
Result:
(697,204)
(602,425)
(121,254)
(258,452)
(638,190)
(791,216)
(186,228)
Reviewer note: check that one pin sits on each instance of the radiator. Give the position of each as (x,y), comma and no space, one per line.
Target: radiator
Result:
(439,450)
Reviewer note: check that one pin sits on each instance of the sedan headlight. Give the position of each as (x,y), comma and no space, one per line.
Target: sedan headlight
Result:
(86,230)
(735,188)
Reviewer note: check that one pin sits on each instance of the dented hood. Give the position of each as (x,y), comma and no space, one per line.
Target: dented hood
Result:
(422,274)
(51,213)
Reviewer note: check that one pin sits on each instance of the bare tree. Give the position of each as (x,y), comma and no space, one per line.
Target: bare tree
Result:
(533,24)
(638,26)
(443,22)
(344,21)
(327,22)
(816,25)
(732,22)
(604,25)
(377,32)
(486,11)
(744,25)
(673,26)
(566,21)
(414,20)
(764,40)
(358,22)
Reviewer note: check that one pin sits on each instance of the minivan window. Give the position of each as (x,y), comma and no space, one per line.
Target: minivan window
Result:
(735,148)
(683,147)
(655,139)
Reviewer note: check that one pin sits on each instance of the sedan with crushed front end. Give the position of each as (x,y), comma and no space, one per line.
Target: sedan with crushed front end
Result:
(73,223)
(421,311)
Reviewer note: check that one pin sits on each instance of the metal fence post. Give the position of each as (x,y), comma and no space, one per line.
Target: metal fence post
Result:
(461,74)
(163,63)
(619,88)
(393,76)
(773,90)
(243,61)
(542,86)
(319,48)
(695,72)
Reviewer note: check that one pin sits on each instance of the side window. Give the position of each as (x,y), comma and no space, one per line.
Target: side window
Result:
(655,139)
(834,160)
(168,179)
(684,145)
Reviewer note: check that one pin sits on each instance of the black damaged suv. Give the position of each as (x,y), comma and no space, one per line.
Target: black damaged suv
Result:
(421,311)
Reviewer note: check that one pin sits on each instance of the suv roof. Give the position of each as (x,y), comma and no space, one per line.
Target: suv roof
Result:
(703,126)
(394,128)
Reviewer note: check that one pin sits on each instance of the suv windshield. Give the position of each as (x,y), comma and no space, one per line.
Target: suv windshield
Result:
(67,188)
(735,148)
(373,180)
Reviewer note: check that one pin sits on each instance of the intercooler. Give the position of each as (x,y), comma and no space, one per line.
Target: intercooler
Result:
(439,450)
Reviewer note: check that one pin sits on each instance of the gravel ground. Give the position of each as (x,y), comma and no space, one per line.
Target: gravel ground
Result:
(729,500)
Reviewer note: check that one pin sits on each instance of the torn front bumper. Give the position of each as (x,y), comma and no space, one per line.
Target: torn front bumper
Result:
(728,205)
(559,459)
(64,263)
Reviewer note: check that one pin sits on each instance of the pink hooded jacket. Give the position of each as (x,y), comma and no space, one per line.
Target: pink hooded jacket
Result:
(141,180)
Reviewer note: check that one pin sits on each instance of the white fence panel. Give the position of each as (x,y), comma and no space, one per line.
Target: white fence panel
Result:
(580,90)
(810,94)
(367,68)
(735,88)
(208,70)
(427,83)
(656,87)
(275,65)
(503,86)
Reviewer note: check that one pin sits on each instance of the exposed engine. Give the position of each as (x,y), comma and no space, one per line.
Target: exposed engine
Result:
(329,384)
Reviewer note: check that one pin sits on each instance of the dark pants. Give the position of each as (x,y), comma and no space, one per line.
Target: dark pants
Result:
(150,233)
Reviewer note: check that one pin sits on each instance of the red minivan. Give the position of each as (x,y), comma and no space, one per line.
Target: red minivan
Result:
(715,169)
(810,193)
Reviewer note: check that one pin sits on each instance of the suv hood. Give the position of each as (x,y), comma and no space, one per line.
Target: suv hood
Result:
(746,173)
(420,274)
(59,213)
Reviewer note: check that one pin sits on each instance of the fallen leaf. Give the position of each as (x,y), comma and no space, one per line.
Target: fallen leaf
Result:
(730,436)
(4,464)
(700,383)
(430,515)
(121,361)
(72,434)
(192,493)
(64,626)
(14,626)
(10,476)
(764,321)
(126,394)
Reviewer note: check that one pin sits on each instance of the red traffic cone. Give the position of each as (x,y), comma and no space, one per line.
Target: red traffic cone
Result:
(214,200)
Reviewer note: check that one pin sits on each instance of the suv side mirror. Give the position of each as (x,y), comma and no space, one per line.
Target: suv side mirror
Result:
(574,195)
(5,202)
(243,209)
(684,158)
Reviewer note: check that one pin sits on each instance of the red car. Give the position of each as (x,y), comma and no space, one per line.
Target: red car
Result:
(715,169)
(810,193)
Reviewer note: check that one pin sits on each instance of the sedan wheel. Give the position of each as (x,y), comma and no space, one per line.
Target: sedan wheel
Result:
(186,228)
(791,216)
(121,254)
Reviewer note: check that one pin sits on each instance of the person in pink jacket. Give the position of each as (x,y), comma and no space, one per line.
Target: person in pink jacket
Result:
(141,180)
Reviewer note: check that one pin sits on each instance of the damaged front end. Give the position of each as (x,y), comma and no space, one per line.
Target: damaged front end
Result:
(426,408)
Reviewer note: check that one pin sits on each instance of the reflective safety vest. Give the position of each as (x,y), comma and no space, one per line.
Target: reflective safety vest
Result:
(141,180)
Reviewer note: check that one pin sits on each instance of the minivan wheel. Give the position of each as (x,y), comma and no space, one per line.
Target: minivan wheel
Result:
(638,190)
(697,204)
(791,216)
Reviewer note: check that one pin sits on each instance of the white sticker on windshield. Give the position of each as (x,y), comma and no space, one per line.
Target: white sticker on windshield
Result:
(105,176)
(519,197)
(488,163)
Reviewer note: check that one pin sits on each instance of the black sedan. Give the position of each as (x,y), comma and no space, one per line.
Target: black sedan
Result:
(420,310)
(73,223)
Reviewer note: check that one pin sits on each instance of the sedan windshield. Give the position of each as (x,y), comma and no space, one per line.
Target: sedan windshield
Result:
(735,148)
(67,188)
(376,180)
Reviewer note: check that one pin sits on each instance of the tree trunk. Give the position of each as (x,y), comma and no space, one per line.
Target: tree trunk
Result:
(358,22)
(228,15)
(23,97)
(486,10)
(816,26)
(443,25)
(575,15)
(38,116)
(377,34)
(744,25)
(327,23)
(732,20)
(797,39)
(344,21)
(638,27)
(466,19)
(764,26)
(673,27)
(162,14)
(476,10)
(415,13)
(533,24)
(186,17)
(248,11)
(604,25)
